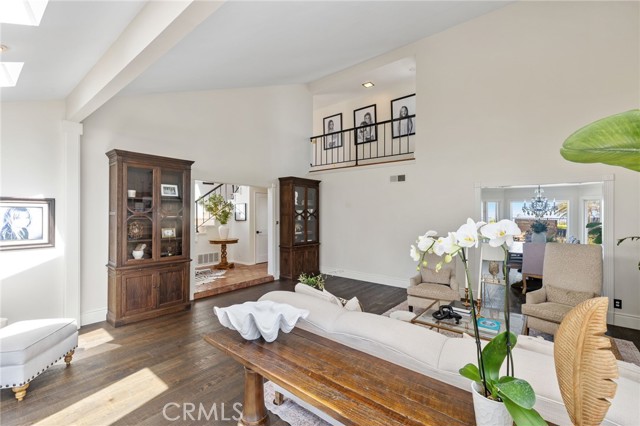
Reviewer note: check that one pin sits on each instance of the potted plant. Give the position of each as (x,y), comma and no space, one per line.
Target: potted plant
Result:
(315,281)
(505,394)
(613,140)
(539,229)
(221,210)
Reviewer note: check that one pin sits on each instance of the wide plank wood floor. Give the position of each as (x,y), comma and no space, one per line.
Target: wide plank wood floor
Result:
(128,375)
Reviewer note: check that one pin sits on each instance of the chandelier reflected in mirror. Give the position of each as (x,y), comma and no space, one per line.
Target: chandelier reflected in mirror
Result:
(539,206)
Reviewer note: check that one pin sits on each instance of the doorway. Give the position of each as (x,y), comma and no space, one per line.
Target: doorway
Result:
(246,247)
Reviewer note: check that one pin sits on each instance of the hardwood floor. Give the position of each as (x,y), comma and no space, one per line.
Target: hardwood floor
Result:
(131,374)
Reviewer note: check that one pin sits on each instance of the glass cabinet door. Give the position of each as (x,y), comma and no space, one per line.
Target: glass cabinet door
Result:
(139,223)
(312,215)
(171,213)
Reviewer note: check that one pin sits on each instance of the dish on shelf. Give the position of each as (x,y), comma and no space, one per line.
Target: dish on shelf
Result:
(136,230)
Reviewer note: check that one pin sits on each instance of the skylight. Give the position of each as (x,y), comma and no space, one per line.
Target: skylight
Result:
(22,12)
(9,73)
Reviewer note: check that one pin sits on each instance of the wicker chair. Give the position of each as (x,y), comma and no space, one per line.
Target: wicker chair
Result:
(572,274)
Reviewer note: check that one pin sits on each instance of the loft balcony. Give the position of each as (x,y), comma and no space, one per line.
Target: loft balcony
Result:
(383,142)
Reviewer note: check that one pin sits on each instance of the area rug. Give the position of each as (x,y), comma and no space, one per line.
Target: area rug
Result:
(624,350)
(289,411)
(204,276)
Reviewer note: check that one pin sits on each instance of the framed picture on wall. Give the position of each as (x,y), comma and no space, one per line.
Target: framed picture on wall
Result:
(332,126)
(364,120)
(403,114)
(27,223)
(241,212)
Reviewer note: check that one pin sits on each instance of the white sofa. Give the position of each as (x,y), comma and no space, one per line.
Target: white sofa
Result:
(436,355)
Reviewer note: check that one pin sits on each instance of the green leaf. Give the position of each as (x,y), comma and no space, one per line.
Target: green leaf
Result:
(494,353)
(517,390)
(522,416)
(594,225)
(613,140)
(471,372)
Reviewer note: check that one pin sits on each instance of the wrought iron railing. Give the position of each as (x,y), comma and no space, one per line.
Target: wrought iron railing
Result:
(390,140)
(202,215)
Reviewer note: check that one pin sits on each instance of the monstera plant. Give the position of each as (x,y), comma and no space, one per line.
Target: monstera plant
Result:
(613,140)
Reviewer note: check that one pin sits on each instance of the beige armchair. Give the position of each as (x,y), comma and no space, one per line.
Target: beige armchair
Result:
(428,285)
(572,273)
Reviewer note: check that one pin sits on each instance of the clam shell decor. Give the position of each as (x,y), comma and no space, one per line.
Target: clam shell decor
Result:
(264,318)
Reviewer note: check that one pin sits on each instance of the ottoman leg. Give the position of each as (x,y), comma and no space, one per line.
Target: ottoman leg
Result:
(68,356)
(20,391)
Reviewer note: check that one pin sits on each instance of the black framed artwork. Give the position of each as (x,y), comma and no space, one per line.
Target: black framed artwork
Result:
(332,126)
(403,111)
(364,120)
(240,212)
(27,223)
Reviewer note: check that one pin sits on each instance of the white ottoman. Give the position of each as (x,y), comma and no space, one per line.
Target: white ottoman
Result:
(28,348)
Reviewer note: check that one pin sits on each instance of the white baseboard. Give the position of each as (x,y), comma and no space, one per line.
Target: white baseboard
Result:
(92,317)
(364,276)
(626,320)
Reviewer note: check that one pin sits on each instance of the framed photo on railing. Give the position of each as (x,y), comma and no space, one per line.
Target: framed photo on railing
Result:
(333,131)
(364,121)
(27,223)
(403,107)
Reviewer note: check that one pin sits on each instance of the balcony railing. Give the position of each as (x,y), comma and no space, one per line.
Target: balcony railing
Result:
(386,141)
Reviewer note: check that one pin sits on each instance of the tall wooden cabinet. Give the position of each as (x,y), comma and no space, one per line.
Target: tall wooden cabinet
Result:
(299,227)
(149,230)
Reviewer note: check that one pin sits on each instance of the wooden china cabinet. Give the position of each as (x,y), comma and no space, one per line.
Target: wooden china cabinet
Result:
(149,220)
(299,227)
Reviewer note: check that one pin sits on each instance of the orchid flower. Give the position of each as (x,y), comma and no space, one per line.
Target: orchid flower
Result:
(501,232)
(467,234)
(445,245)
(414,253)
(426,241)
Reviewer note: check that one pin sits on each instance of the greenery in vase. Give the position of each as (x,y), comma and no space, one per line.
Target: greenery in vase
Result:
(613,140)
(539,226)
(516,394)
(218,207)
(315,281)
(594,229)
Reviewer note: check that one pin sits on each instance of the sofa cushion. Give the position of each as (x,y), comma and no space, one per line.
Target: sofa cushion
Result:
(322,294)
(549,311)
(565,296)
(353,304)
(431,276)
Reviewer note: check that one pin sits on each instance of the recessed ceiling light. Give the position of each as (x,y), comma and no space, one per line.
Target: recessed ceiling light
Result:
(22,12)
(9,73)
(368,84)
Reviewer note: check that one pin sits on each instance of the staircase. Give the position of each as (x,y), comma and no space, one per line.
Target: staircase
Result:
(202,216)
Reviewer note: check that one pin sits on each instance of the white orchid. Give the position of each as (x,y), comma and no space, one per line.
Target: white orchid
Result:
(501,232)
(426,241)
(467,234)
(414,253)
(446,245)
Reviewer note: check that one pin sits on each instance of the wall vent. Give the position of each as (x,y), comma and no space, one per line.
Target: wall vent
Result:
(398,178)
(208,258)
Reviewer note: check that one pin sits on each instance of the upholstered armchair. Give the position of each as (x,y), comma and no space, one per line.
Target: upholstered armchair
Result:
(428,285)
(572,273)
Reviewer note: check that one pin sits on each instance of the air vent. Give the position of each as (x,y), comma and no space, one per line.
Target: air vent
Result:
(398,178)
(208,258)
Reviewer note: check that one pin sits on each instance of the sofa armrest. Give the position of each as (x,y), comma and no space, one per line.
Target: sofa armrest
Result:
(538,296)
(415,280)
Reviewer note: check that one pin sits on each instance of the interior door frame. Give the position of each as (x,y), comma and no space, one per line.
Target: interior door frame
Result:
(255,228)
(608,240)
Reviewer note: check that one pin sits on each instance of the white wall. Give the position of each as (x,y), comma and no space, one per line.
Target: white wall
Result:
(246,135)
(496,97)
(31,161)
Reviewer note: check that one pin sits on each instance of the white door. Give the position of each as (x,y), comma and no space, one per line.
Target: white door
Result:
(262,233)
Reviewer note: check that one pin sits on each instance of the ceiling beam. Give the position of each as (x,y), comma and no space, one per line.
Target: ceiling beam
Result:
(158,27)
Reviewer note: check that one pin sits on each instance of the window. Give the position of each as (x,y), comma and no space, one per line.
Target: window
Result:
(490,211)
